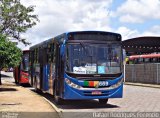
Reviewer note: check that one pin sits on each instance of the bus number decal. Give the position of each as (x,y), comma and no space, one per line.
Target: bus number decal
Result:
(103,83)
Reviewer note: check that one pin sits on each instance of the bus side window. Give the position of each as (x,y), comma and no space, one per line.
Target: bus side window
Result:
(49,53)
(147,60)
(35,56)
(30,56)
(141,60)
(137,61)
(52,54)
(155,60)
(40,59)
(158,60)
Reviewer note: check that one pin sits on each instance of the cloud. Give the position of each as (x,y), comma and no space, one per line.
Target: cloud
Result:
(132,33)
(127,33)
(58,16)
(138,11)
(153,31)
(130,19)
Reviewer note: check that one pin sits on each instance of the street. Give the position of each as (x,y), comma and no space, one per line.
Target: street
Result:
(135,99)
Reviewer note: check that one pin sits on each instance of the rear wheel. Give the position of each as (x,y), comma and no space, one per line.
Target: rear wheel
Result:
(16,81)
(57,99)
(35,84)
(103,101)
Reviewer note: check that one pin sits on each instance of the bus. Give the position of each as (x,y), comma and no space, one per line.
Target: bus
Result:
(78,65)
(144,58)
(21,72)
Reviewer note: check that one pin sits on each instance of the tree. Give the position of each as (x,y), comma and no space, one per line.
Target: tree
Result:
(10,54)
(15,19)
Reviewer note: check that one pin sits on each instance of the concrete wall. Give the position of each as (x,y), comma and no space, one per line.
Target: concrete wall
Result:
(143,73)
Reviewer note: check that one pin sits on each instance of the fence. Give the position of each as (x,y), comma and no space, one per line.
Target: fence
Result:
(143,73)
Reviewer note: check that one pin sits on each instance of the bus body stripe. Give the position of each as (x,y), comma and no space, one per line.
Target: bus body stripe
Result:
(96,83)
(91,83)
(86,83)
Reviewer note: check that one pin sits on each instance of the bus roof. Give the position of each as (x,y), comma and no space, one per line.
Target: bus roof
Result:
(68,34)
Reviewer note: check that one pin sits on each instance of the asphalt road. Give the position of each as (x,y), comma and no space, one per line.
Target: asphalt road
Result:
(136,99)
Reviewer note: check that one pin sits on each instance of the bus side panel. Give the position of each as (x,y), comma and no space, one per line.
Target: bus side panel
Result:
(24,78)
(46,77)
(31,72)
(38,77)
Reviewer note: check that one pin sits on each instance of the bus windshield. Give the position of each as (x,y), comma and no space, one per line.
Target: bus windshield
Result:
(87,58)
(25,63)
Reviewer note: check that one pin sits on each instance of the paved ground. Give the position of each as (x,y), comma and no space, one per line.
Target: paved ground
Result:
(21,101)
(136,99)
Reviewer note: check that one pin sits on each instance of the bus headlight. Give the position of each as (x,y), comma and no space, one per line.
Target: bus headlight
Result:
(116,85)
(72,84)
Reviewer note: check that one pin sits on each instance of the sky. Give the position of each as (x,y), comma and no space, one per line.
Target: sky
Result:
(130,18)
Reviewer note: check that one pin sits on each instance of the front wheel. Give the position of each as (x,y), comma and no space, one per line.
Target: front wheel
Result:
(103,101)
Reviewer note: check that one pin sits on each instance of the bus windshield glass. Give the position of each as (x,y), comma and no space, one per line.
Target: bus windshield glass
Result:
(87,58)
(25,63)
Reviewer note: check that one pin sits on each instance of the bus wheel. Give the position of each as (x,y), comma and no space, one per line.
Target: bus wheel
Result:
(103,101)
(16,81)
(57,99)
(35,84)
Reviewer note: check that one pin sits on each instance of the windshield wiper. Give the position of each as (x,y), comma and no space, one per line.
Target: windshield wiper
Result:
(83,47)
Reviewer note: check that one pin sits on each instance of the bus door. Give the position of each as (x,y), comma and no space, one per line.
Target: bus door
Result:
(45,70)
(41,58)
(59,74)
(51,67)
(51,77)
(31,71)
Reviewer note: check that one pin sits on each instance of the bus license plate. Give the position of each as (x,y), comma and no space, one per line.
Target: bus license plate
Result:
(96,92)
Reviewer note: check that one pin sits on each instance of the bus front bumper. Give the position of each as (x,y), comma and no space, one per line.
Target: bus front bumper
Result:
(78,94)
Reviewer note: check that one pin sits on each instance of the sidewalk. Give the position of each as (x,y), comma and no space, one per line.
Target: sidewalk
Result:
(22,102)
(143,85)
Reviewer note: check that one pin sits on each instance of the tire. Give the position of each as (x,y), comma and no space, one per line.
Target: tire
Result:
(103,101)
(16,81)
(57,99)
(35,84)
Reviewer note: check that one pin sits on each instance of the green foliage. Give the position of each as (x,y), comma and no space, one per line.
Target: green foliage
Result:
(15,19)
(10,54)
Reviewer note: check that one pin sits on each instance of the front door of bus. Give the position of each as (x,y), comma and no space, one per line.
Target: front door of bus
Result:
(59,73)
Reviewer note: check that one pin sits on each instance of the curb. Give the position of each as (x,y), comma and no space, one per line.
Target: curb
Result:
(59,111)
(142,85)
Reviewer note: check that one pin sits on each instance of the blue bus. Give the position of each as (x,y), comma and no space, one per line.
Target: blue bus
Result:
(78,65)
